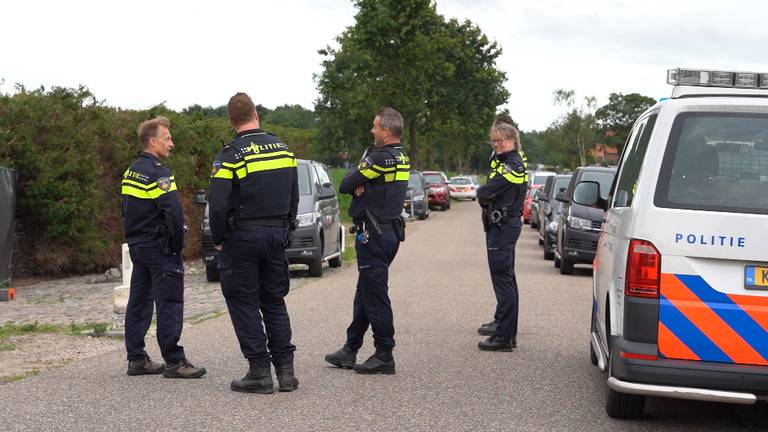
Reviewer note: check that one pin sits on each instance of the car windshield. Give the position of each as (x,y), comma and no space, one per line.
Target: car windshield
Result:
(540,179)
(433,178)
(716,162)
(414,181)
(605,178)
(562,183)
(304,188)
(461,181)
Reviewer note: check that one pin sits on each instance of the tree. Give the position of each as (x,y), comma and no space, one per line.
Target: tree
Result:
(440,75)
(577,127)
(615,119)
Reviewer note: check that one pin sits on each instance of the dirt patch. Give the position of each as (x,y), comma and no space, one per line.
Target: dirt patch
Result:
(35,353)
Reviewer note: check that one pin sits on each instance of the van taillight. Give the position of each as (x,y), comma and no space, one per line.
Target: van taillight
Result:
(643,270)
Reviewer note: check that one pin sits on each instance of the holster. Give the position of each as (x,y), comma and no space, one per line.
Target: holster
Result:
(399,227)
(164,239)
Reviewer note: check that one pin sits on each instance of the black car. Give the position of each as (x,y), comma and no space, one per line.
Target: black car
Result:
(546,209)
(317,238)
(579,226)
(416,200)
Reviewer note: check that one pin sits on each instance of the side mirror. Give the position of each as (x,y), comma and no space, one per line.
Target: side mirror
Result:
(200,198)
(561,196)
(587,193)
(327,191)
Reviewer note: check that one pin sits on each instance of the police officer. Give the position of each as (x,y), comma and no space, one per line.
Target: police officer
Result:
(501,199)
(154,230)
(378,187)
(253,202)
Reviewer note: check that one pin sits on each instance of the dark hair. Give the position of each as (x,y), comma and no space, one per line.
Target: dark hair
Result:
(148,129)
(392,120)
(240,109)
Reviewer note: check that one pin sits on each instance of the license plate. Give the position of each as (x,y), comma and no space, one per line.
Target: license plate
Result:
(756,277)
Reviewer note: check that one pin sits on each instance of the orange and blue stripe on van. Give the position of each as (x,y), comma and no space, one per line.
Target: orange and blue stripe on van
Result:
(697,322)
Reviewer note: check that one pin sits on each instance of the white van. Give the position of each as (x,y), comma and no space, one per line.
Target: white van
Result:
(680,285)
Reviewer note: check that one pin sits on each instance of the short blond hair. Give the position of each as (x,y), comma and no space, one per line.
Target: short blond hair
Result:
(148,129)
(507,132)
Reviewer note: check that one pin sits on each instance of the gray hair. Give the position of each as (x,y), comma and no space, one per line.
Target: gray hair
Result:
(507,132)
(392,120)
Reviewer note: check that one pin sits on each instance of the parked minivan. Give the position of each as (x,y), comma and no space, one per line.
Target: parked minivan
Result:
(318,237)
(416,200)
(547,206)
(680,286)
(579,226)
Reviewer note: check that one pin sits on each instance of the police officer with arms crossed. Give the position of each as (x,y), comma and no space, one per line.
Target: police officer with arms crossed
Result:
(253,202)
(501,199)
(378,187)
(154,230)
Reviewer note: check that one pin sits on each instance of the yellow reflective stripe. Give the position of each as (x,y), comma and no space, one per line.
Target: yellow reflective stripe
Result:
(242,172)
(514,179)
(145,186)
(266,155)
(223,173)
(404,167)
(369,173)
(131,190)
(382,169)
(233,165)
(267,165)
(388,178)
(402,176)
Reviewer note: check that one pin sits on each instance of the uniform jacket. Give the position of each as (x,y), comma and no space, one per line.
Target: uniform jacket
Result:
(253,177)
(384,172)
(506,184)
(150,199)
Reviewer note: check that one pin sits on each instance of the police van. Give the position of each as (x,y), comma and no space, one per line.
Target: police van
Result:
(680,285)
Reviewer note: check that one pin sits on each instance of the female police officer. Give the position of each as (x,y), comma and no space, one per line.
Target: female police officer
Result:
(501,199)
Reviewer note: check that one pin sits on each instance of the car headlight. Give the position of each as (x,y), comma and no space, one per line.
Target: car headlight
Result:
(552,227)
(307,219)
(579,223)
(206,225)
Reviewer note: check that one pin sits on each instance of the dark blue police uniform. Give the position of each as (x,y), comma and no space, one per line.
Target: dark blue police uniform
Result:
(502,201)
(384,173)
(253,199)
(154,230)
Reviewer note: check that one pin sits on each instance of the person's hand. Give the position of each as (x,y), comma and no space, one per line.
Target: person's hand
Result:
(217,247)
(359,190)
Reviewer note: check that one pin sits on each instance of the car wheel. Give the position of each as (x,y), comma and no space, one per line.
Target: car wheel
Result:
(541,242)
(211,273)
(622,405)
(423,216)
(549,254)
(557,261)
(336,262)
(448,204)
(444,206)
(566,266)
(534,225)
(316,266)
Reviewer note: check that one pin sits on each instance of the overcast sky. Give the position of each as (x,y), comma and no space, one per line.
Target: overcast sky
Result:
(141,53)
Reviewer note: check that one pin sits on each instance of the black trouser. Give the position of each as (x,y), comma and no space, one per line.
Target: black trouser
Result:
(500,242)
(371,305)
(255,281)
(157,280)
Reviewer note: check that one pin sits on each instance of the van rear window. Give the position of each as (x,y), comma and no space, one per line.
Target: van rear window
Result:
(716,162)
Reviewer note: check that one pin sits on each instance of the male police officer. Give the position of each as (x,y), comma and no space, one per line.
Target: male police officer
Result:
(501,199)
(253,202)
(378,186)
(154,230)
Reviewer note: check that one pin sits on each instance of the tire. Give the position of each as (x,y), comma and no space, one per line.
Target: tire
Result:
(566,266)
(557,261)
(336,262)
(444,206)
(622,405)
(211,273)
(448,204)
(534,225)
(423,216)
(548,254)
(474,199)
(316,266)
(541,242)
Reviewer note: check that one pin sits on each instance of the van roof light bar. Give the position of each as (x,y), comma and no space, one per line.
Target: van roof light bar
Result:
(715,78)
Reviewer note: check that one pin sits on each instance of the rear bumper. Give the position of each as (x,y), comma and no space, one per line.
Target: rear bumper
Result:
(464,195)
(684,379)
(438,199)
(305,246)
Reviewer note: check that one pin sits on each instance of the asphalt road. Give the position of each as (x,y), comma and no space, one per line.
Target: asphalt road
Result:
(441,292)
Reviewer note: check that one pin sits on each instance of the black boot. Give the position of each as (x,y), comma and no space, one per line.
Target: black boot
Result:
(257,380)
(497,343)
(488,329)
(286,379)
(343,358)
(381,362)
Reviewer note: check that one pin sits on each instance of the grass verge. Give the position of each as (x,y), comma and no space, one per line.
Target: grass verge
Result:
(13,378)
(9,330)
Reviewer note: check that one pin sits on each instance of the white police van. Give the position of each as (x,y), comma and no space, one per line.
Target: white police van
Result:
(680,286)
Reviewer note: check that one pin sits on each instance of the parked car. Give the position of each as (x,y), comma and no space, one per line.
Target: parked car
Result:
(439,193)
(464,187)
(528,201)
(579,226)
(535,208)
(547,204)
(539,177)
(416,200)
(679,305)
(550,230)
(318,237)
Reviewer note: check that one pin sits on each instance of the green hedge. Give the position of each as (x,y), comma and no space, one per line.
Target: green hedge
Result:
(70,151)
